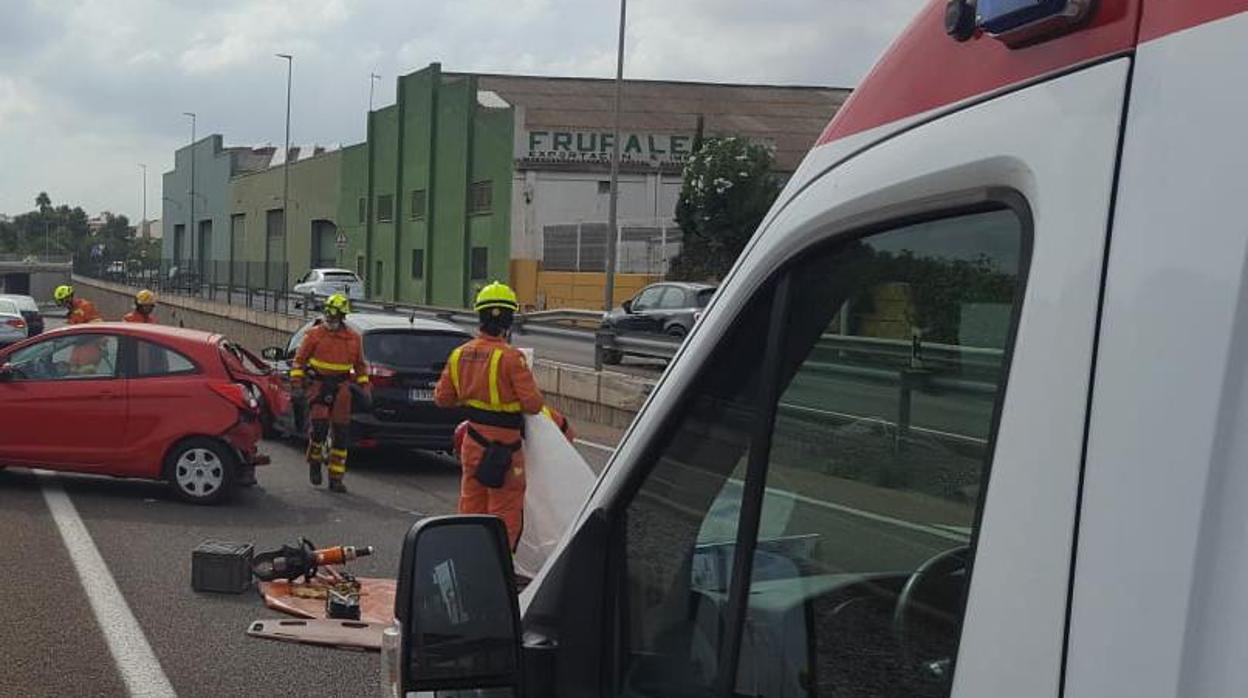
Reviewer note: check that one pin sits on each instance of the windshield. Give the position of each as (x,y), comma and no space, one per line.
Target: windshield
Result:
(409,349)
(244,358)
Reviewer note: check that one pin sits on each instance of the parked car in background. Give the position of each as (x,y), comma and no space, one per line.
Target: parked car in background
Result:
(669,308)
(30,312)
(131,400)
(12,324)
(326,282)
(405,357)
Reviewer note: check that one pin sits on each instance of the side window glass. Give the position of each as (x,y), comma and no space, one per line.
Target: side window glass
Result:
(891,366)
(77,357)
(649,298)
(673,299)
(680,527)
(154,360)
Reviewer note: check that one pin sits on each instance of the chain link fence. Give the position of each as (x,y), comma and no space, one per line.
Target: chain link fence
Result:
(259,285)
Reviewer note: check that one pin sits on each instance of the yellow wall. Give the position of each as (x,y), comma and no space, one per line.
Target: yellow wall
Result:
(566,289)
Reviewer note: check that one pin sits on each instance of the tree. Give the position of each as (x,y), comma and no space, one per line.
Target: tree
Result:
(43,202)
(728,188)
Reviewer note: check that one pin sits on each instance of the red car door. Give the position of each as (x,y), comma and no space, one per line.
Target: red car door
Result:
(63,404)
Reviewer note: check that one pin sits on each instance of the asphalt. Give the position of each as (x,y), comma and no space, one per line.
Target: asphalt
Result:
(52,644)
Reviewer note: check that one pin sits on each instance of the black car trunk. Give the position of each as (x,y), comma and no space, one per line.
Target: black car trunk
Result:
(405,367)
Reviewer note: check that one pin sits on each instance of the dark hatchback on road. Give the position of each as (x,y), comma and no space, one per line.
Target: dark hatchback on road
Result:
(405,357)
(669,308)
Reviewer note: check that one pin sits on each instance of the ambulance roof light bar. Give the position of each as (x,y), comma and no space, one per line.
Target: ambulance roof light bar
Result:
(1014,22)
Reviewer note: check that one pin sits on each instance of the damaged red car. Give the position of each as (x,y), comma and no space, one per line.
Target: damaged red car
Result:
(136,401)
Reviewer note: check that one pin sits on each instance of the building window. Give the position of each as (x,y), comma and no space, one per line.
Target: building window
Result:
(377,285)
(385,208)
(604,186)
(418,204)
(418,264)
(359,266)
(481,197)
(363,209)
(479,266)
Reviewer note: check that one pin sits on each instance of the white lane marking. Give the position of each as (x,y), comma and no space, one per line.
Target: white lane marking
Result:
(136,662)
(591,444)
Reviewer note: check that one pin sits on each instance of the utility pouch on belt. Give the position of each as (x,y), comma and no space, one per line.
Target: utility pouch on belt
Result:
(329,391)
(492,470)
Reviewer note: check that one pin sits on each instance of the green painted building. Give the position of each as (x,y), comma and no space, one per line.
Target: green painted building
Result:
(426,200)
(256,232)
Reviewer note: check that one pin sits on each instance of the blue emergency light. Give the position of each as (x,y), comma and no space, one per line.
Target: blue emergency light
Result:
(1020,21)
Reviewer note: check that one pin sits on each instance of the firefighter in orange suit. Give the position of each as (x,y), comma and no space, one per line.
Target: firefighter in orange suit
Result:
(85,357)
(490,379)
(78,310)
(144,306)
(329,360)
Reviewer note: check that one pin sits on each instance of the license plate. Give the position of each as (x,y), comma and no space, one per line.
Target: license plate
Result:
(420,395)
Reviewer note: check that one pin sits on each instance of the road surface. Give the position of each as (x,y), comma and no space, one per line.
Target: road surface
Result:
(53,643)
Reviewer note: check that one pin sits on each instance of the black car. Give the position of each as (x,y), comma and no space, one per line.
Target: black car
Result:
(405,357)
(669,308)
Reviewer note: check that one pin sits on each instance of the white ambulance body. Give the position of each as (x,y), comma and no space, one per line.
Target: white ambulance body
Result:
(972,402)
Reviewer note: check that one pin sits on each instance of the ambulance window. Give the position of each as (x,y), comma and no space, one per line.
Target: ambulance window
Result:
(891,354)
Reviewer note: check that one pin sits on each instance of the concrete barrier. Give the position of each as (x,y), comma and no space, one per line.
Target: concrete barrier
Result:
(581,393)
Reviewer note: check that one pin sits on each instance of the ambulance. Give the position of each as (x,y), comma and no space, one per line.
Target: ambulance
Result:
(968,417)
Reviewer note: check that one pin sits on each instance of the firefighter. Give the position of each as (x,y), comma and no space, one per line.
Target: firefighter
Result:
(144,305)
(329,359)
(78,310)
(490,379)
(85,357)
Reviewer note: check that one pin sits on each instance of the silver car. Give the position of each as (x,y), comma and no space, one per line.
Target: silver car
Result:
(12,325)
(327,282)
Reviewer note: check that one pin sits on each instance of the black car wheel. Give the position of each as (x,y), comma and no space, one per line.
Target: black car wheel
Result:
(201,470)
(676,331)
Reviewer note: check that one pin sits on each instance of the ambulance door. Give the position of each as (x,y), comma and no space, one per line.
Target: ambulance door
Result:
(860,476)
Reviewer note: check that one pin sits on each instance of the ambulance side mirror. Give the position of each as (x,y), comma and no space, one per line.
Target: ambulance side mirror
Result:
(456,606)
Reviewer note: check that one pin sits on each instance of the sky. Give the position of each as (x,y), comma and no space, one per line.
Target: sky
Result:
(91,89)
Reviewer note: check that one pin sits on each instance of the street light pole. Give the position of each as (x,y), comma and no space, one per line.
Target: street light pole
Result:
(613,208)
(190,223)
(290,66)
(372,80)
(143,223)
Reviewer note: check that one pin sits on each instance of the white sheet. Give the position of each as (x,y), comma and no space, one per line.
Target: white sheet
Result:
(559,480)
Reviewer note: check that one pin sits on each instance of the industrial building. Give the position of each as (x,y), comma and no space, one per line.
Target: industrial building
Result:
(468,178)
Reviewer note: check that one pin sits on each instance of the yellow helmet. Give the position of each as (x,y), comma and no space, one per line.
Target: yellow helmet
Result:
(338,304)
(497,295)
(62,293)
(145,297)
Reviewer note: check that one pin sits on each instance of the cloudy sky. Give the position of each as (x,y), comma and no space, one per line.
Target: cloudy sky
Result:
(91,88)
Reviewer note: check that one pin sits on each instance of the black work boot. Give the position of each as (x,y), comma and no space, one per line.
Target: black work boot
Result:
(314,473)
(335,485)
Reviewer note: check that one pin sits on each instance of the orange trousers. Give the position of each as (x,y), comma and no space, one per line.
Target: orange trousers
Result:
(506,502)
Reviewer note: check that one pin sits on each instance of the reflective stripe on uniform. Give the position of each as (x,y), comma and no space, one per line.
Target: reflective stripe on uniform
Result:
(455,367)
(329,366)
(495,403)
(495,357)
(296,373)
(362,378)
